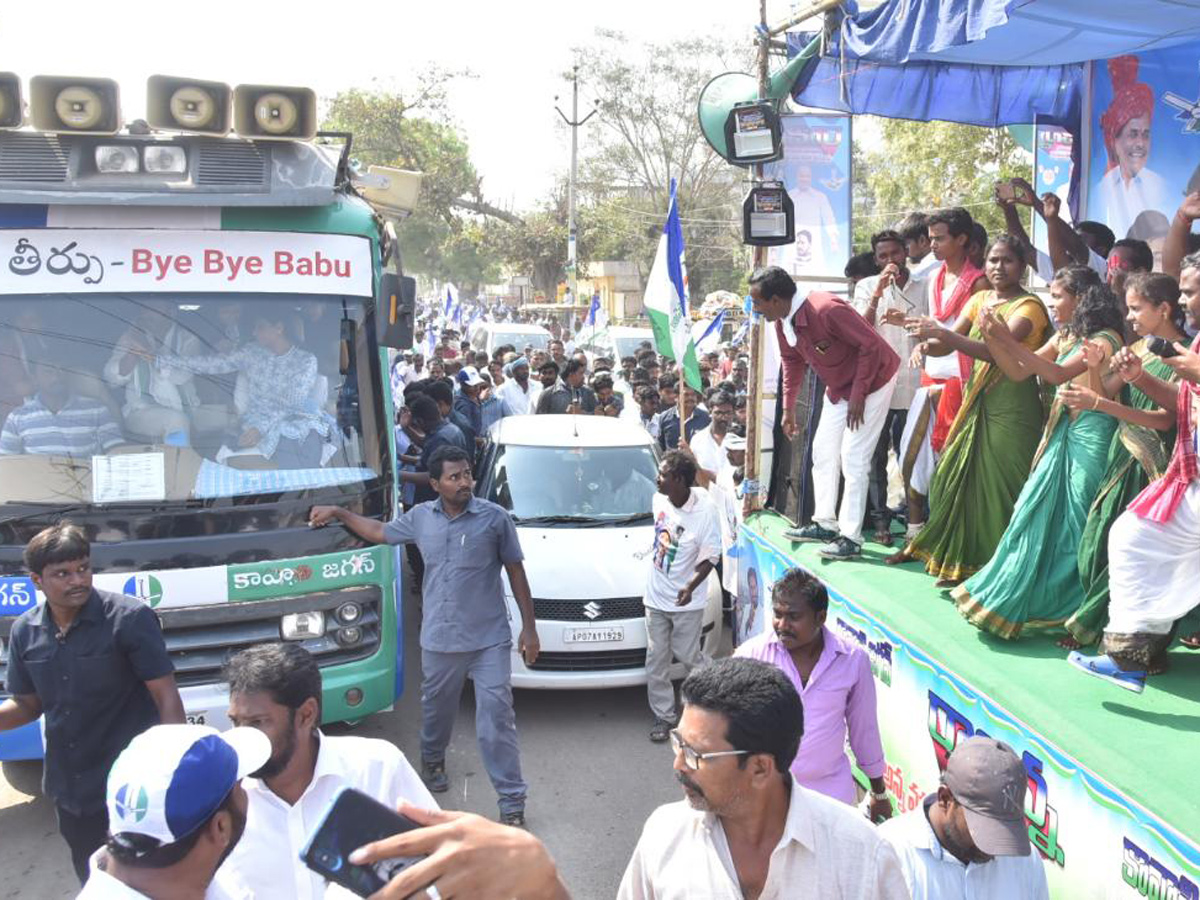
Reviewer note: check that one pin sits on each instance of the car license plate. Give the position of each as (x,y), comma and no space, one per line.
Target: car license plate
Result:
(592,635)
(200,717)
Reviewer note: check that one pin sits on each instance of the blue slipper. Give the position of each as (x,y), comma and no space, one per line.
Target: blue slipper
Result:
(1105,667)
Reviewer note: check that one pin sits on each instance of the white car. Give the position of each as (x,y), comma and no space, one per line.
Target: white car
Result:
(615,342)
(487,336)
(579,489)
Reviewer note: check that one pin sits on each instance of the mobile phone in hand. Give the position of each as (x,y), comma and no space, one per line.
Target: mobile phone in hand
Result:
(352,820)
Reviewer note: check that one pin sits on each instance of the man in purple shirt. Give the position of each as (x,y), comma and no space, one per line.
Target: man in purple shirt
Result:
(859,370)
(833,678)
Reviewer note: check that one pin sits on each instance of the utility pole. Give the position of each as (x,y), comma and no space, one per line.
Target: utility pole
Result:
(574,122)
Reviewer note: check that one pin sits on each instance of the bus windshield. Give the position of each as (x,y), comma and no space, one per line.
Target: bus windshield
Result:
(108,398)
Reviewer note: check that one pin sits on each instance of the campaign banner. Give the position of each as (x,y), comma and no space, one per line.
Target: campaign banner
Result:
(280,577)
(1094,842)
(815,169)
(101,260)
(1145,148)
(1051,175)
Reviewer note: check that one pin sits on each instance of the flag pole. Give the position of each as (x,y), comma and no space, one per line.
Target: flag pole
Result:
(751,500)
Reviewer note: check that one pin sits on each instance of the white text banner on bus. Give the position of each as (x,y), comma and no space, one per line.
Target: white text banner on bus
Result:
(97,260)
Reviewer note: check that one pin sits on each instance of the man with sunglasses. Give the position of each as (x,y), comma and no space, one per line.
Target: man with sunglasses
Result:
(884,300)
(747,829)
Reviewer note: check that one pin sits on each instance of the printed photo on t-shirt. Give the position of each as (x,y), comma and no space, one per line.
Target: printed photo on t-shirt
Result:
(667,536)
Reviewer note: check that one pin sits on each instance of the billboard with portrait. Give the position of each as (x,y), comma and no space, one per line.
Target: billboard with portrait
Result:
(1145,146)
(815,169)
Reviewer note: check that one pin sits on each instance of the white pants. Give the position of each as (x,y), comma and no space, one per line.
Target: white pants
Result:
(838,451)
(923,455)
(1154,569)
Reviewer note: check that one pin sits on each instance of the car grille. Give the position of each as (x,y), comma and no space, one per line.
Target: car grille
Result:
(200,639)
(577,610)
(589,660)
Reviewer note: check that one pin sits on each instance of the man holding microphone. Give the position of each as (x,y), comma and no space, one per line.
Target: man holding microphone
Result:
(465,541)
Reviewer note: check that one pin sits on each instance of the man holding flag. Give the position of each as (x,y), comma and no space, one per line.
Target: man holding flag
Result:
(859,370)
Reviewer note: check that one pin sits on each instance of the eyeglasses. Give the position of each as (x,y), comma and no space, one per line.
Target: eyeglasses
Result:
(692,757)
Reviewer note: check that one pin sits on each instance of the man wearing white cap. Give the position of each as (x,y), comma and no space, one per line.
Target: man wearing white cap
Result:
(176,809)
(520,392)
(970,839)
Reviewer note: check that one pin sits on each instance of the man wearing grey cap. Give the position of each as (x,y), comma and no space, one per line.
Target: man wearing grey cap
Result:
(970,838)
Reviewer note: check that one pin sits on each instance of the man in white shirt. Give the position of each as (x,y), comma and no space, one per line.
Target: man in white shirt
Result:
(176,809)
(276,688)
(885,300)
(969,841)
(687,545)
(706,443)
(747,827)
(518,390)
(728,499)
(914,229)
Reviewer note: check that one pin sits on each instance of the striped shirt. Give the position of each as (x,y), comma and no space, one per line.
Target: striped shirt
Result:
(83,427)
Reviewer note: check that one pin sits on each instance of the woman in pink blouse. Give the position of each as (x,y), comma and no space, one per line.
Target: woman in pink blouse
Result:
(835,683)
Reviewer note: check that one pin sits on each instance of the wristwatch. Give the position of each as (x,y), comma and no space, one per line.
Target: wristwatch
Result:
(880,796)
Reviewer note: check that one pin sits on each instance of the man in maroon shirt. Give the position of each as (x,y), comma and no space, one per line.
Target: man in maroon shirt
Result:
(859,370)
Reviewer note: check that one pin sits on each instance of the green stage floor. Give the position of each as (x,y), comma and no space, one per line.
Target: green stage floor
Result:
(1144,745)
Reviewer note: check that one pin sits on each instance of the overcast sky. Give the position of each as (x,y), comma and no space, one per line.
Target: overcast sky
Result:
(517,50)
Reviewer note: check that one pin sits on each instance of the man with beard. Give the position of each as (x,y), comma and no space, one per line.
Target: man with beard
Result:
(747,828)
(517,390)
(276,688)
(177,810)
(95,665)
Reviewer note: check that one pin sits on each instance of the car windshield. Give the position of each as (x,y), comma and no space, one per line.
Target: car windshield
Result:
(629,346)
(599,484)
(521,339)
(144,398)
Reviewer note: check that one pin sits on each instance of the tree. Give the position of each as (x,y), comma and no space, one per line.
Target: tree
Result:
(646,134)
(930,165)
(444,237)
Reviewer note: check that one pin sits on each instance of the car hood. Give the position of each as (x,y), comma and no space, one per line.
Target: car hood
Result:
(586,563)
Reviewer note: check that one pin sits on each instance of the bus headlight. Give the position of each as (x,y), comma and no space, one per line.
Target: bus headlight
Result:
(348,637)
(117,158)
(349,613)
(302,626)
(165,160)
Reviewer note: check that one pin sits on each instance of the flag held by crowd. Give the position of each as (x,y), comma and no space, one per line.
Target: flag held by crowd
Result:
(667,297)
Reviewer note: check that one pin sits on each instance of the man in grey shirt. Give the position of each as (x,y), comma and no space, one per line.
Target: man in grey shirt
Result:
(465,632)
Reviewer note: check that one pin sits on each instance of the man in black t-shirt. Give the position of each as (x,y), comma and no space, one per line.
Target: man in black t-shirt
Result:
(94,663)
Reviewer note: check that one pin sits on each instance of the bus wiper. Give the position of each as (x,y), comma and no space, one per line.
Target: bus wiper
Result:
(41,508)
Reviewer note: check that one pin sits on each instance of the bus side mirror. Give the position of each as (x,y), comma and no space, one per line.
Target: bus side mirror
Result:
(396,310)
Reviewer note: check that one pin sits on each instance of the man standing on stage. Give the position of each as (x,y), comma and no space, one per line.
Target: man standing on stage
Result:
(859,371)
(937,400)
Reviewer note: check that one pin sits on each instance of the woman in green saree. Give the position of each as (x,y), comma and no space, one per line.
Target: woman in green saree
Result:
(1139,450)
(993,438)
(1032,580)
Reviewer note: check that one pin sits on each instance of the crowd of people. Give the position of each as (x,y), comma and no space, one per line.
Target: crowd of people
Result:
(153,807)
(1048,461)
(1047,451)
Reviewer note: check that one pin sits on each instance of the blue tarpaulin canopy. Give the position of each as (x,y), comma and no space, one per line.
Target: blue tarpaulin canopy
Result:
(982,62)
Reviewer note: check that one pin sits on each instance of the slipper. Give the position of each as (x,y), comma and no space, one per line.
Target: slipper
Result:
(1191,641)
(1105,667)
(884,538)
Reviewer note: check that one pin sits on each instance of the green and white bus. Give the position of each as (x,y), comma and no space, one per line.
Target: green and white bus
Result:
(215,311)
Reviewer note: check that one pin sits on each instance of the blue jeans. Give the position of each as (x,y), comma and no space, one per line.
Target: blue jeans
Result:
(442,677)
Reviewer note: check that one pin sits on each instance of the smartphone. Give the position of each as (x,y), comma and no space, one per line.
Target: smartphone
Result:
(1006,190)
(1160,346)
(354,819)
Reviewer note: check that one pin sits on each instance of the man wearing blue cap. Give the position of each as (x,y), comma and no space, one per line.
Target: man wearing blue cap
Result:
(176,809)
